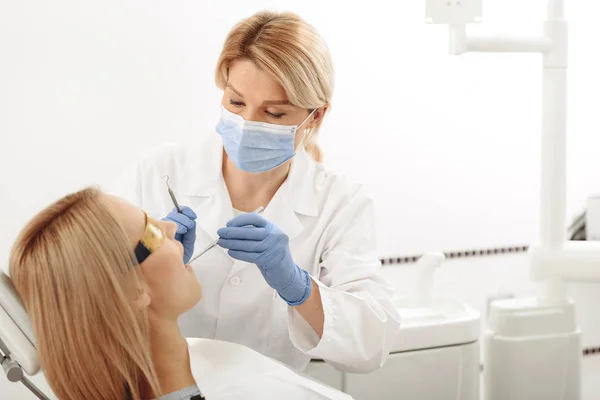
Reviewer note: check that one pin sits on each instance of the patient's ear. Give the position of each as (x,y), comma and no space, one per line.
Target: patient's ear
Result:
(143,298)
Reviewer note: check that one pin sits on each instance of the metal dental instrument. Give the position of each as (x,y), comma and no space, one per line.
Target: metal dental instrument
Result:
(172,195)
(259,210)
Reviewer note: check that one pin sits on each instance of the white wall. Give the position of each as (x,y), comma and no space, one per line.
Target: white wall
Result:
(447,145)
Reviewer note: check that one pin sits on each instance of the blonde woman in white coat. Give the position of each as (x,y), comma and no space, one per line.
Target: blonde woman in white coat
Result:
(302,280)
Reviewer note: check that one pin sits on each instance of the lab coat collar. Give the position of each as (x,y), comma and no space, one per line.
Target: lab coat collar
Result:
(204,178)
(300,185)
(205,174)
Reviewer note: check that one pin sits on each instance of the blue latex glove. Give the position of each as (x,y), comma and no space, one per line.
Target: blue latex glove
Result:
(254,239)
(186,229)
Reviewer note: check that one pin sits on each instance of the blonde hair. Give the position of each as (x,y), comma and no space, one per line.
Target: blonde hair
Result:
(77,276)
(292,52)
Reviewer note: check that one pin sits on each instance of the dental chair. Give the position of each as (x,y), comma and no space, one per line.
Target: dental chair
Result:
(17,345)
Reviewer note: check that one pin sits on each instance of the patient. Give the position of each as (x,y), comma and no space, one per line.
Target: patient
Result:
(104,285)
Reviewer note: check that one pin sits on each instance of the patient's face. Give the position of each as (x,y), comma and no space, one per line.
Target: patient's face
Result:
(173,287)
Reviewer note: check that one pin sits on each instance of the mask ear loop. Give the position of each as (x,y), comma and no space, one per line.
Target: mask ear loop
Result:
(305,131)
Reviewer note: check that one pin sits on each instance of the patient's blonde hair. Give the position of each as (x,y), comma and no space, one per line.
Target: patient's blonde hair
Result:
(292,52)
(76,274)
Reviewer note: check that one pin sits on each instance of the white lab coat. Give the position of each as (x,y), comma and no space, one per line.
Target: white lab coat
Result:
(224,370)
(330,223)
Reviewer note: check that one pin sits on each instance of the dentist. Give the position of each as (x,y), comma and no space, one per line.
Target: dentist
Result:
(301,280)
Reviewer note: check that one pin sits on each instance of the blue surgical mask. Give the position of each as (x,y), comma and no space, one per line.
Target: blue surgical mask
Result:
(257,146)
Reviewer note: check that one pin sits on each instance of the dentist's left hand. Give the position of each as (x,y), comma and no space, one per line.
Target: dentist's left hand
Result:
(186,229)
(254,239)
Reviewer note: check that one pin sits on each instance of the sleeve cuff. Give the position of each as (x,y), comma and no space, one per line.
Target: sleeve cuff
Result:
(307,290)
(303,335)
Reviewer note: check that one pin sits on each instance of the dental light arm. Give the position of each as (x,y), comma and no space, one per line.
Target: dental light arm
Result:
(458,13)
(532,346)
(553,259)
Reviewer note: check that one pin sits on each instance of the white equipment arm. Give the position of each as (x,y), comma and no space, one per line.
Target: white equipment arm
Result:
(17,344)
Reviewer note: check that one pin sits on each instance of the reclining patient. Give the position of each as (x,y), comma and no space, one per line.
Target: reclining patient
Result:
(104,285)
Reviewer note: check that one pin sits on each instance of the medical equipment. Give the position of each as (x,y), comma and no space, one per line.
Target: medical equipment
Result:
(592,218)
(532,347)
(434,356)
(586,225)
(259,210)
(577,228)
(17,344)
(172,194)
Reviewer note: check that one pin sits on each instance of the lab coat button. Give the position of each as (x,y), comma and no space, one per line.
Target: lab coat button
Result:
(235,281)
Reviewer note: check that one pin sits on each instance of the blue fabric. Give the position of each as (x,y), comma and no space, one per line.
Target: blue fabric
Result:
(256,146)
(254,239)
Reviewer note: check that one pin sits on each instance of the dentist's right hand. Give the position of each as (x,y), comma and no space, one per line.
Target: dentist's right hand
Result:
(186,229)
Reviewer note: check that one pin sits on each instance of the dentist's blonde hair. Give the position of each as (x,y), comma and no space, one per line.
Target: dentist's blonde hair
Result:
(292,52)
(76,274)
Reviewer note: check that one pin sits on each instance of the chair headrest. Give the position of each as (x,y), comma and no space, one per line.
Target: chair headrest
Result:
(16,332)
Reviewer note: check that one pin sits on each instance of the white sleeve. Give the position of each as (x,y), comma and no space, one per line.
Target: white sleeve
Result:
(361,322)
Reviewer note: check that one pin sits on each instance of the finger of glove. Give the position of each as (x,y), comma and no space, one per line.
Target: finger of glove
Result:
(247,233)
(249,246)
(253,219)
(181,229)
(181,219)
(188,212)
(243,256)
(187,255)
(189,239)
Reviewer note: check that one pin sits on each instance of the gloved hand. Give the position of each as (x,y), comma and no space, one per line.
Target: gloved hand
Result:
(186,229)
(254,239)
